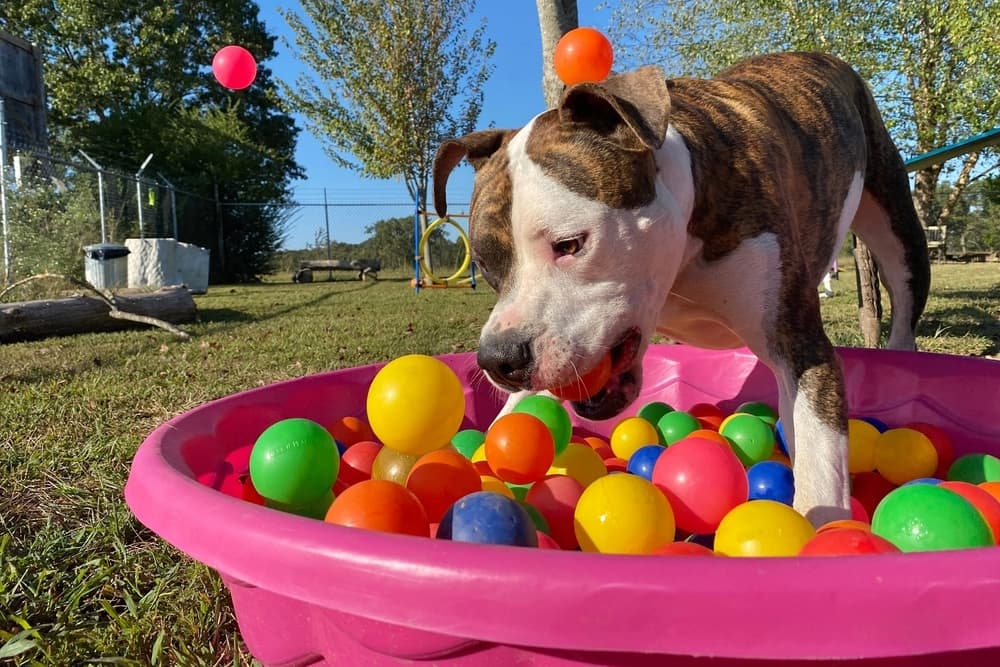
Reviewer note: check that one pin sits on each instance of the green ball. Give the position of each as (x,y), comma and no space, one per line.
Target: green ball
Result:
(294,463)
(314,510)
(676,425)
(536,517)
(750,437)
(653,410)
(553,414)
(468,441)
(926,517)
(761,410)
(975,469)
(520,491)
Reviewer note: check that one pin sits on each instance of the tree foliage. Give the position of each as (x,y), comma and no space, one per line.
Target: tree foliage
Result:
(932,63)
(126,78)
(389,80)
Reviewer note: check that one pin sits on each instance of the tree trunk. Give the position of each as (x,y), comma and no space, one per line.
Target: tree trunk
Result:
(925,195)
(869,299)
(556,18)
(31,320)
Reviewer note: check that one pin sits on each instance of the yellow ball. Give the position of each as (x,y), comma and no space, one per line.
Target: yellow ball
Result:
(903,454)
(479,454)
(632,433)
(861,437)
(415,404)
(623,514)
(762,528)
(393,466)
(495,485)
(580,462)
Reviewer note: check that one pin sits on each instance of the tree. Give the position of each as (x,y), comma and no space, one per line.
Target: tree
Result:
(390,80)
(555,19)
(931,63)
(129,78)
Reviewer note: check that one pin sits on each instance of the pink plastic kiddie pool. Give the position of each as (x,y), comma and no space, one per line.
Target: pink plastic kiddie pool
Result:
(310,593)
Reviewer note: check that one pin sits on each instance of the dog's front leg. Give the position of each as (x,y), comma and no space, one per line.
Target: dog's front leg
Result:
(814,415)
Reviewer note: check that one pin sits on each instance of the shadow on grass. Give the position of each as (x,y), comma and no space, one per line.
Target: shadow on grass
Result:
(962,321)
(235,316)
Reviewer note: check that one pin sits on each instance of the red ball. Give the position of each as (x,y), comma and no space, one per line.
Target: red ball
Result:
(234,67)
(556,497)
(351,430)
(615,464)
(378,504)
(858,511)
(708,415)
(683,549)
(583,55)
(587,384)
(982,500)
(356,464)
(703,480)
(519,448)
(869,488)
(941,442)
(546,541)
(847,542)
(440,478)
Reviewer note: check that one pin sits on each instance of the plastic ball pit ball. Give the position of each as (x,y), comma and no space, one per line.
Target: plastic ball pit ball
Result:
(309,591)
(468,441)
(440,478)
(987,506)
(847,542)
(587,384)
(555,497)
(488,518)
(676,425)
(927,517)
(580,462)
(623,514)
(763,528)
(761,411)
(941,442)
(710,416)
(393,466)
(861,438)
(583,55)
(975,468)
(643,460)
(294,463)
(519,448)
(703,480)
(379,505)
(632,433)
(752,438)
(356,464)
(553,415)
(902,454)
(771,480)
(415,404)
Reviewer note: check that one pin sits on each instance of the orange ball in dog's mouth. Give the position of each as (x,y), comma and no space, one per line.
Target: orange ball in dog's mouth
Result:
(587,384)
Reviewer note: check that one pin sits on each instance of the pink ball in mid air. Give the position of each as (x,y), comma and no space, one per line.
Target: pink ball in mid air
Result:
(234,67)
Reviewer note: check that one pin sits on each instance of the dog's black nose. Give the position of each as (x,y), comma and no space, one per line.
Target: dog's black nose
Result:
(507,358)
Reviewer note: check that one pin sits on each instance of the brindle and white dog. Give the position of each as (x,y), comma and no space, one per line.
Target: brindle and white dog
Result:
(705,210)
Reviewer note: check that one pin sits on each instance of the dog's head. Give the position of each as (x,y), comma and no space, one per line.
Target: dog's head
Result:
(563,225)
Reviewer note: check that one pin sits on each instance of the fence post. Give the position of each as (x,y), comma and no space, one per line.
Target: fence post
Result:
(138,193)
(173,203)
(416,243)
(100,193)
(3,195)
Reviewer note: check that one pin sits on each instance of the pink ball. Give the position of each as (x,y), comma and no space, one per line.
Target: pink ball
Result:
(703,480)
(234,67)
(556,497)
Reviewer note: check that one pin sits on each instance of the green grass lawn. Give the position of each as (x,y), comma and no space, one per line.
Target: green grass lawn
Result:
(83,582)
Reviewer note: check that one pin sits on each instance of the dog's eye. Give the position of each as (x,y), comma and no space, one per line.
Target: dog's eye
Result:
(568,246)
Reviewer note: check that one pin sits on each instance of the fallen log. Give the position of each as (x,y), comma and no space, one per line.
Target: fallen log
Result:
(31,320)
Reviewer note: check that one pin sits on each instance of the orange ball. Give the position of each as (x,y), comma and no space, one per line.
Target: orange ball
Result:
(583,55)
(350,430)
(683,549)
(519,448)
(708,434)
(710,416)
(587,384)
(440,478)
(380,505)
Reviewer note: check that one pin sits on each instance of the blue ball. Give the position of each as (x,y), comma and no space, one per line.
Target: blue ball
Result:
(486,517)
(877,423)
(643,459)
(923,480)
(771,480)
(341,447)
(779,437)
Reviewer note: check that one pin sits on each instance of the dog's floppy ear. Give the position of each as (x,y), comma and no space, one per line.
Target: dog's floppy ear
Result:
(477,147)
(638,98)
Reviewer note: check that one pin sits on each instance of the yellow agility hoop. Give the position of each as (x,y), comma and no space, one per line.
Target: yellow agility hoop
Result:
(457,278)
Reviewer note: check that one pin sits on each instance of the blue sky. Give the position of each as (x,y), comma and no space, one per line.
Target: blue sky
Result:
(513,96)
